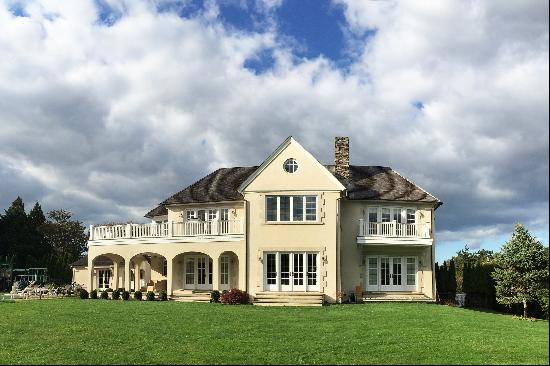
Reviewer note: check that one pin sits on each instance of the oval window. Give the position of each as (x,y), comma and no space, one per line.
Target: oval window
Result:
(290,165)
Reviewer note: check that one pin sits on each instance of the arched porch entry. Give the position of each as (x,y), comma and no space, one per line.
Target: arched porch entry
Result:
(107,272)
(193,271)
(228,270)
(146,270)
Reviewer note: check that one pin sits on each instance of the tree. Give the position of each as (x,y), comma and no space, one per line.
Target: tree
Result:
(521,273)
(17,237)
(67,240)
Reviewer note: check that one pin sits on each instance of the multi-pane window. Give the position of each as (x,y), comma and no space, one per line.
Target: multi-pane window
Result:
(284,208)
(411,271)
(212,214)
(373,214)
(312,269)
(224,214)
(290,165)
(386,215)
(224,270)
(410,216)
(396,214)
(271,269)
(291,208)
(373,271)
(191,215)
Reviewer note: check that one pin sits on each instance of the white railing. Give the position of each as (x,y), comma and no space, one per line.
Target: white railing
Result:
(166,229)
(194,228)
(394,229)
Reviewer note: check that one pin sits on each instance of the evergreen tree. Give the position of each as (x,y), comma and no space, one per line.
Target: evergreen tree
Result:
(521,273)
(16,235)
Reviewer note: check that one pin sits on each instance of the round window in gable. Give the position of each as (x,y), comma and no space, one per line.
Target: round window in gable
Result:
(290,165)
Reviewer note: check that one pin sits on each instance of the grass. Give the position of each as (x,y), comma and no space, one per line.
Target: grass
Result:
(74,331)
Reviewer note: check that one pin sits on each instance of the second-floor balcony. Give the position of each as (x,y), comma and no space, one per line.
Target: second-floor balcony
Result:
(167,230)
(394,232)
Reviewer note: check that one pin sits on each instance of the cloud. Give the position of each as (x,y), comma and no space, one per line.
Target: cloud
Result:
(108,108)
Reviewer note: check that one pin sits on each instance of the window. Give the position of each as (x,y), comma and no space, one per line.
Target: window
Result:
(411,271)
(396,215)
(201,214)
(284,208)
(410,216)
(291,208)
(224,270)
(373,271)
(312,269)
(165,268)
(191,215)
(373,214)
(290,165)
(386,217)
(224,214)
(212,214)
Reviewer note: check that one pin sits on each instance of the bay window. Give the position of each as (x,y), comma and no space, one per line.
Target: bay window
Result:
(291,208)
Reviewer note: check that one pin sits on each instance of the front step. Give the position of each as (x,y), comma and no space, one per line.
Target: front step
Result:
(396,296)
(289,299)
(191,296)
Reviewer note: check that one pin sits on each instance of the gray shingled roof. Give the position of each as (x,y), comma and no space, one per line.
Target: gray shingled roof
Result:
(99,261)
(365,183)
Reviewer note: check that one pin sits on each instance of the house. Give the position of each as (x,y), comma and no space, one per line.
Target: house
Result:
(288,230)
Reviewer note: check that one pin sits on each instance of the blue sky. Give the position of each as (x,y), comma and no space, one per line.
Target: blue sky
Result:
(134,100)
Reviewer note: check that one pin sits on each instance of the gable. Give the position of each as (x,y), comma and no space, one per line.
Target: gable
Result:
(310,175)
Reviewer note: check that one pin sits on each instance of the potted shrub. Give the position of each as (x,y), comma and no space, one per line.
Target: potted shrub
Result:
(104,295)
(215,296)
(234,297)
(150,296)
(116,295)
(138,295)
(93,294)
(83,294)
(163,296)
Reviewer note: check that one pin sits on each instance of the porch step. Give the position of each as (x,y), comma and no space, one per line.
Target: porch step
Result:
(190,296)
(289,299)
(396,296)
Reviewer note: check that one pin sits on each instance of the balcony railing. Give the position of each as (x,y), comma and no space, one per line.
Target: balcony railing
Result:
(166,229)
(394,229)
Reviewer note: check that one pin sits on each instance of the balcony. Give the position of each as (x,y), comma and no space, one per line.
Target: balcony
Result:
(168,230)
(393,232)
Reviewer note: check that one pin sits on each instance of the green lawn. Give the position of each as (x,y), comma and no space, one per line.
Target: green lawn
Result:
(114,332)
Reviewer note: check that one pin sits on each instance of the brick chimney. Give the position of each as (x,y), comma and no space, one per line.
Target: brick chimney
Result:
(341,156)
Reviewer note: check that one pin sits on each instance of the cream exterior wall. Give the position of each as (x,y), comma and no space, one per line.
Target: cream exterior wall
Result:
(310,179)
(353,255)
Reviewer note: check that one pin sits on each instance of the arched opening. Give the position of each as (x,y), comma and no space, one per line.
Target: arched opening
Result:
(148,272)
(192,271)
(228,270)
(107,272)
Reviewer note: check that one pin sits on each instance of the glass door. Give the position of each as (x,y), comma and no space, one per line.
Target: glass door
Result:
(298,269)
(189,280)
(396,272)
(202,273)
(270,272)
(286,274)
(224,272)
(103,279)
(313,272)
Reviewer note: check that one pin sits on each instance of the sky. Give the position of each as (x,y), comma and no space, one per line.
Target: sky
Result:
(108,107)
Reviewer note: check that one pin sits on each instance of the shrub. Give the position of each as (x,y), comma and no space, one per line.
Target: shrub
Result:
(104,295)
(116,295)
(125,295)
(83,294)
(138,295)
(215,296)
(234,297)
(93,294)
(150,296)
(109,290)
(163,296)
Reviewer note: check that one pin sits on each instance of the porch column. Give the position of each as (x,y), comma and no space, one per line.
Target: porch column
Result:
(136,276)
(216,272)
(127,278)
(115,274)
(90,275)
(169,265)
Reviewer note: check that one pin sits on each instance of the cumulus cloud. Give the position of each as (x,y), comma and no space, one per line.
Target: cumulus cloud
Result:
(106,108)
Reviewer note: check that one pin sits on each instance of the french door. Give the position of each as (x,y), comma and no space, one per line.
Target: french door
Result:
(386,273)
(291,271)
(103,279)
(197,272)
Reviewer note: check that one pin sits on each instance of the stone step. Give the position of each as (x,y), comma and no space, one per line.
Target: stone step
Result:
(283,300)
(190,299)
(289,299)
(285,304)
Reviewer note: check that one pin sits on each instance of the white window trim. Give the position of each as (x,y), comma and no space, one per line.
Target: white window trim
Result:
(291,218)
(391,208)
(207,213)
